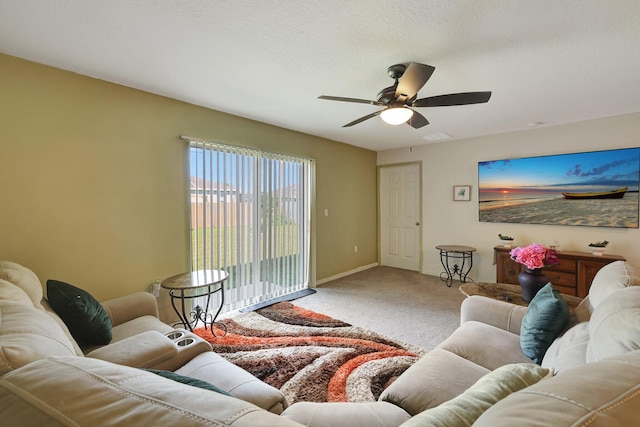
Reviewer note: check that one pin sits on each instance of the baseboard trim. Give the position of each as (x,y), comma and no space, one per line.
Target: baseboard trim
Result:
(288,297)
(346,273)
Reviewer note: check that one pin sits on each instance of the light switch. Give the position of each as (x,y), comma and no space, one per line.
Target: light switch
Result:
(326,212)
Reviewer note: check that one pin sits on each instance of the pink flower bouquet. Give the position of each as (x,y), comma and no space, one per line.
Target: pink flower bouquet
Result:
(534,256)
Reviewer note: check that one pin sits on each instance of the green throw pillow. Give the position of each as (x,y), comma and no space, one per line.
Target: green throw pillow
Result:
(545,319)
(194,382)
(85,317)
(464,410)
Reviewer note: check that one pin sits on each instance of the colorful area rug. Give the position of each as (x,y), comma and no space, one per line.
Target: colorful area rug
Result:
(312,357)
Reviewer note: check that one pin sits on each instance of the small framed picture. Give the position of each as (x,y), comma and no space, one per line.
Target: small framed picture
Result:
(461,193)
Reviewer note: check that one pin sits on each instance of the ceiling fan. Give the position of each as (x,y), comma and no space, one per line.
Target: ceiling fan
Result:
(398,98)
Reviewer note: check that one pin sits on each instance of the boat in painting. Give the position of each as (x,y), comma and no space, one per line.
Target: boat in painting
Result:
(612,194)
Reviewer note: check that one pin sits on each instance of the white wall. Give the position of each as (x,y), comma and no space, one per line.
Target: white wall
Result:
(452,163)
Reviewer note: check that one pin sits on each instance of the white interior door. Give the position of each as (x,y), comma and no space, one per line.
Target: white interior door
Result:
(400,216)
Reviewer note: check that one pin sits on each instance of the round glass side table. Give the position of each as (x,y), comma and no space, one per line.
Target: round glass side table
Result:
(196,284)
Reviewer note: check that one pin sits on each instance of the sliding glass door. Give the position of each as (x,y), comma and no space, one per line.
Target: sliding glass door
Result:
(250,216)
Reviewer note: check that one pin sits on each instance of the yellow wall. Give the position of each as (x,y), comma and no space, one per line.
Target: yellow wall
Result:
(94,184)
(456,163)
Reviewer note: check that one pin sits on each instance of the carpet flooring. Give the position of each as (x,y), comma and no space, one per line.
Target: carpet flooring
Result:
(409,306)
(310,356)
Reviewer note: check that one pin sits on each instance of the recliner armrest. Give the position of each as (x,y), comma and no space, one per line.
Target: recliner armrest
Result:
(131,306)
(500,314)
(152,349)
(145,350)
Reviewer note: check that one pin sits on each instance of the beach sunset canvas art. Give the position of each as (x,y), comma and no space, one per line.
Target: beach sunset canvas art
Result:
(596,189)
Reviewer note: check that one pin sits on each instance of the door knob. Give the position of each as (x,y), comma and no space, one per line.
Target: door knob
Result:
(417,223)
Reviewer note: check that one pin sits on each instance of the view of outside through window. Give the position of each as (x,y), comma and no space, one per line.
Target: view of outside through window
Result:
(250,217)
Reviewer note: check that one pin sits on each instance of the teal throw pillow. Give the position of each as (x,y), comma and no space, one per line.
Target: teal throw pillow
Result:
(194,382)
(545,319)
(85,317)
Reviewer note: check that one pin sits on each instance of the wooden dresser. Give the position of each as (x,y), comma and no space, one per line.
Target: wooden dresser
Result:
(572,275)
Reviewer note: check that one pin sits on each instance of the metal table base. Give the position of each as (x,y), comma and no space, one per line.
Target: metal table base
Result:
(197,284)
(456,253)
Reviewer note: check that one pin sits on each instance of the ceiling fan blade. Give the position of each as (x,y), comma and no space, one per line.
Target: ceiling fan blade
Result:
(414,77)
(464,98)
(417,120)
(360,101)
(363,118)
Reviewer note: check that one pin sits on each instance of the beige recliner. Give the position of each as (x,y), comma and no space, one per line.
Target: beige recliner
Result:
(30,330)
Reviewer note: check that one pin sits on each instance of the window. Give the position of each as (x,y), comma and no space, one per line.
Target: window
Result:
(250,216)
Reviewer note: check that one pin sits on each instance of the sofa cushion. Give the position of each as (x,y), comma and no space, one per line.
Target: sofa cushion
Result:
(615,325)
(51,312)
(601,394)
(98,393)
(611,278)
(435,378)
(351,414)
(214,369)
(545,319)
(465,409)
(581,313)
(569,350)
(485,345)
(11,294)
(23,278)
(87,320)
(28,334)
(193,382)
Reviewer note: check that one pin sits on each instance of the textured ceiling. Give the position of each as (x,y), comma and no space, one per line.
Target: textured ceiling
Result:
(546,61)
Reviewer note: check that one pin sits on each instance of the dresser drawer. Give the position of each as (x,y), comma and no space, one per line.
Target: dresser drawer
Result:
(568,265)
(561,278)
(567,290)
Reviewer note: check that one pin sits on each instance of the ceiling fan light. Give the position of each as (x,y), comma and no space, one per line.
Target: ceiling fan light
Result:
(396,115)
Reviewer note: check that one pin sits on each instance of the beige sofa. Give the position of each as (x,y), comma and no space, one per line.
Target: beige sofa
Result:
(31,331)
(596,361)
(587,384)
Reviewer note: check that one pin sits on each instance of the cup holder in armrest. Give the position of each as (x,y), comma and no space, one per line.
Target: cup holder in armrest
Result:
(185,342)
(181,338)
(174,335)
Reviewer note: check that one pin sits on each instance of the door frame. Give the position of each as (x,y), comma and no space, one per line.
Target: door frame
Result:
(379,216)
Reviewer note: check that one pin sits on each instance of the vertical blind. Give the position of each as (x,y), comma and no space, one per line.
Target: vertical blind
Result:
(250,216)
